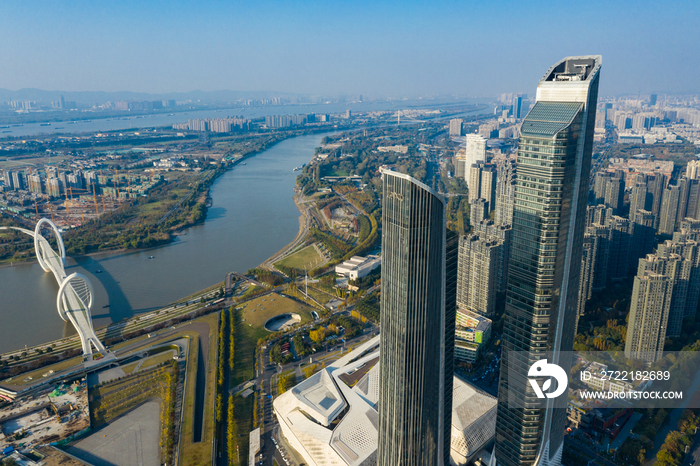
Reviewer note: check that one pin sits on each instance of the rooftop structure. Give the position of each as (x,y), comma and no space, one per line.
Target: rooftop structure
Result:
(332,418)
(358,266)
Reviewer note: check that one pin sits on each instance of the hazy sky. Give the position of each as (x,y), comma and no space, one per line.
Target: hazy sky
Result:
(330,47)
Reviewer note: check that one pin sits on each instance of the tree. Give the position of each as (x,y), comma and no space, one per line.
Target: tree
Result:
(231,433)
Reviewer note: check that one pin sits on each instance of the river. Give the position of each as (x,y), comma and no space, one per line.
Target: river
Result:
(169,119)
(252,216)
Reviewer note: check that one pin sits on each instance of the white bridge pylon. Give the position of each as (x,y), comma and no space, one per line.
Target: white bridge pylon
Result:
(75,292)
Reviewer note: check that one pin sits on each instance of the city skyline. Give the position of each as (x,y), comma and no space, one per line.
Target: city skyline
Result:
(360,48)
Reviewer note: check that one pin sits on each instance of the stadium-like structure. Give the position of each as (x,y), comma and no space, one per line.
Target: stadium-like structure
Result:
(75,292)
(331,418)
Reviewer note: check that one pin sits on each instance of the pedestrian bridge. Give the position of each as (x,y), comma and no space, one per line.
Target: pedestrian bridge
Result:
(75,292)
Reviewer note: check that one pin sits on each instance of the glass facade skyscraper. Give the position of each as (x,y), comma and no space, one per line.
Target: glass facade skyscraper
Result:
(419,271)
(549,215)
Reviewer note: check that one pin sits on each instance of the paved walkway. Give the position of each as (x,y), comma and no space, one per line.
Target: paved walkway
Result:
(131,440)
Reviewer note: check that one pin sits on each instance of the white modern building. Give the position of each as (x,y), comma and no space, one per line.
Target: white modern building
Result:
(331,418)
(358,266)
(475,151)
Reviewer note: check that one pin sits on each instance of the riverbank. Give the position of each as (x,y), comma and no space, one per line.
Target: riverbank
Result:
(192,210)
(252,215)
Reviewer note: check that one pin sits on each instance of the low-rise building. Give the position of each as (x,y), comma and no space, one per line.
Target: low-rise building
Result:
(472,332)
(358,266)
(331,418)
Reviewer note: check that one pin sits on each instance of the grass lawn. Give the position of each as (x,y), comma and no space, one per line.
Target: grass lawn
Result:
(129,368)
(200,453)
(157,359)
(246,339)
(111,400)
(126,343)
(38,373)
(243,413)
(259,310)
(319,296)
(307,257)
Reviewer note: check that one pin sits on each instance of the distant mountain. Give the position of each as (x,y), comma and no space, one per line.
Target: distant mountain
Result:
(41,95)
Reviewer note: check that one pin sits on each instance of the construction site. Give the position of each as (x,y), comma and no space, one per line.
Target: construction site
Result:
(71,200)
(51,416)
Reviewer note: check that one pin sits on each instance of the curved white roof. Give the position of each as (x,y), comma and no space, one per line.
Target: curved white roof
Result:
(331,418)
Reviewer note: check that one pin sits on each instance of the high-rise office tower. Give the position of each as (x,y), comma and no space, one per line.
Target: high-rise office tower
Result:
(551,189)
(669,209)
(477,274)
(419,278)
(505,191)
(517,106)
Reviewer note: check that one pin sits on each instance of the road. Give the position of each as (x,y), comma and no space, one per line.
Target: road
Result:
(693,456)
(305,206)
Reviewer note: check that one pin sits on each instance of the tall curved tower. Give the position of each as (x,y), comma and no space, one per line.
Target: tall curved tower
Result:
(75,292)
(554,161)
(418,318)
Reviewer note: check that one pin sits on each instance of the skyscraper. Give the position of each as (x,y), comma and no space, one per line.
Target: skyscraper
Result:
(7,178)
(669,209)
(549,216)
(505,190)
(474,180)
(18,180)
(475,151)
(517,106)
(477,274)
(419,268)
(648,319)
(456,127)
